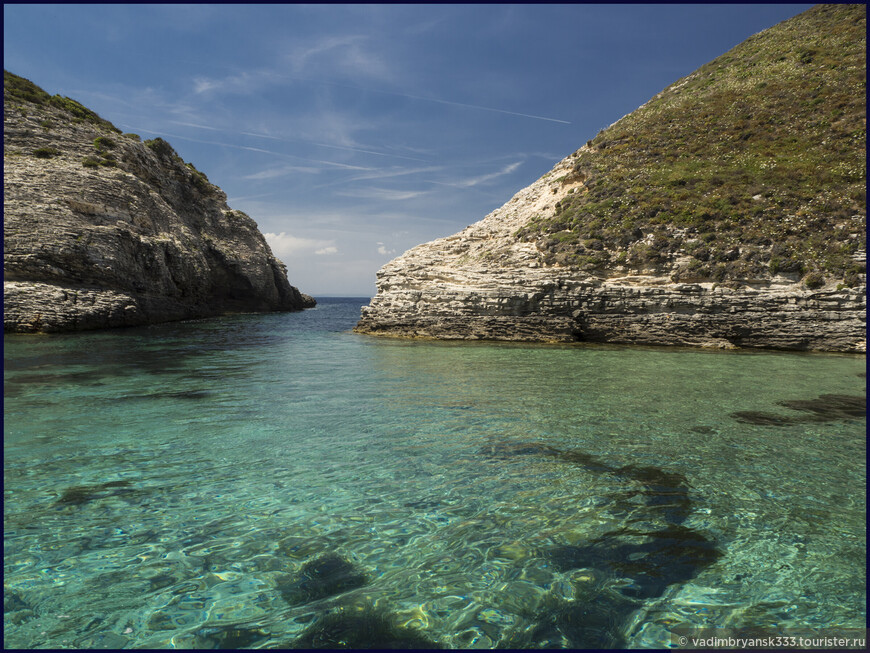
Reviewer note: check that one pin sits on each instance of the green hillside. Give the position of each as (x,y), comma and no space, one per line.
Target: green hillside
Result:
(21,89)
(754,164)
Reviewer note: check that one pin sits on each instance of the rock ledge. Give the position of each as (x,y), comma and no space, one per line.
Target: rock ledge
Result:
(102,230)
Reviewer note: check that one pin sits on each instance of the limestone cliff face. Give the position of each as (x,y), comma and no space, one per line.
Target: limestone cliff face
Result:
(484,283)
(102,230)
(729,211)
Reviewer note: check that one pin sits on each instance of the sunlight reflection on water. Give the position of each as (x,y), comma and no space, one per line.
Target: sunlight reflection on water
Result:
(270,480)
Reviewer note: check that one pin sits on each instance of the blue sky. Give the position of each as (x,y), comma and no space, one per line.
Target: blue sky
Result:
(351,133)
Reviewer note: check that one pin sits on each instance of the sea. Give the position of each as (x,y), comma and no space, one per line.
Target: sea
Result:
(278,481)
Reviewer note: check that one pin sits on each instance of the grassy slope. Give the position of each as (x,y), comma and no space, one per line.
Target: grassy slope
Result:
(754,164)
(21,92)
(24,90)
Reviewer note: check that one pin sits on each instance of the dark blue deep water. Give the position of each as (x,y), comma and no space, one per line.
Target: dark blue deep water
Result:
(276,480)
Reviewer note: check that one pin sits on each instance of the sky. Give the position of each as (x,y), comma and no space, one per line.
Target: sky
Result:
(351,133)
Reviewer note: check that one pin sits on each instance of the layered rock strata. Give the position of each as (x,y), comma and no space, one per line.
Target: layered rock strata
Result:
(484,283)
(103,230)
(728,211)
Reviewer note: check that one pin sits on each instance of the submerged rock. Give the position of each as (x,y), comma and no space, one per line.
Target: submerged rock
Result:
(193,395)
(363,629)
(830,407)
(586,625)
(229,637)
(325,576)
(673,555)
(652,552)
(12,601)
(825,408)
(81,494)
(109,231)
(503,450)
(763,419)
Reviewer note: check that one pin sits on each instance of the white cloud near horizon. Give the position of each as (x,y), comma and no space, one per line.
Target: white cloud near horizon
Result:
(283,245)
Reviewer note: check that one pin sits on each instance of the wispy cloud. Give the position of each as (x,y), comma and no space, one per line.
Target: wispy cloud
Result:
(137,98)
(333,129)
(204,85)
(199,140)
(193,124)
(482,108)
(284,245)
(242,83)
(476,107)
(362,151)
(347,55)
(387,194)
(394,172)
(382,249)
(301,56)
(474,181)
(248,148)
(284,139)
(282,171)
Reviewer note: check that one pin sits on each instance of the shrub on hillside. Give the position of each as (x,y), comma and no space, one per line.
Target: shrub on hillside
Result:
(45,152)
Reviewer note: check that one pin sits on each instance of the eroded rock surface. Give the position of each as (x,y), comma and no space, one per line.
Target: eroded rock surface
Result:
(484,283)
(103,230)
(695,220)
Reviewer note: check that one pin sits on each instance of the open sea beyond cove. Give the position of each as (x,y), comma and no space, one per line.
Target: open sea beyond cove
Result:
(277,481)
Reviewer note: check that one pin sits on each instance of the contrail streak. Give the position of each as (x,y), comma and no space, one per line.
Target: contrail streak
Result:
(282,140)
(425,99)
(251,149)
(474,106)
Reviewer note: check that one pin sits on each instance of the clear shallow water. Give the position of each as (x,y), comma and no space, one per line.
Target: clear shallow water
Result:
(262,481)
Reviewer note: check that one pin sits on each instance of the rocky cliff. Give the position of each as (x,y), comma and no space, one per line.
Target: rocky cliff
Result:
(104,230)
(728,211)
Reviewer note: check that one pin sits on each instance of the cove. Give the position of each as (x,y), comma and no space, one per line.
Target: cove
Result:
(275,480)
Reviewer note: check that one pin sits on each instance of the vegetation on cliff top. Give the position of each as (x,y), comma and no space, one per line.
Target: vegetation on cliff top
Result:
(21,90)
(752,165)
(26,91)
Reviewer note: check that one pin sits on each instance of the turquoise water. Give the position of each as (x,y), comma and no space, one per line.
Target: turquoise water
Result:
(275,480)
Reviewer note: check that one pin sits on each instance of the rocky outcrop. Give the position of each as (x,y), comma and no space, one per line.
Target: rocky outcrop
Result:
(695,221)
(484,283)
(103,230)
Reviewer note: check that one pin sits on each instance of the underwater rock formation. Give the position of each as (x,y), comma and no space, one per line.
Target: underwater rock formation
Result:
(360,629)
(826,408)
(325,576)
(230,637)
(82,494)
(652,552)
